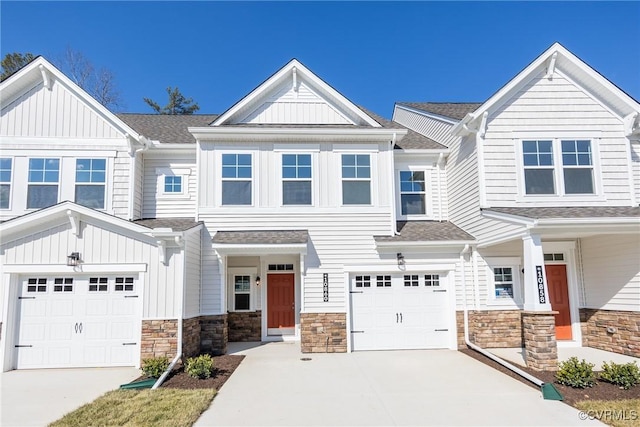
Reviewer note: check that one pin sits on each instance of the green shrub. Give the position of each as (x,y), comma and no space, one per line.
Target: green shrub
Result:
(624,375)
(200,366)
(155,366)
(576,374)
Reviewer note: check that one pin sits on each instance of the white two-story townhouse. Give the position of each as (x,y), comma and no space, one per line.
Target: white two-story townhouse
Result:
(545,175)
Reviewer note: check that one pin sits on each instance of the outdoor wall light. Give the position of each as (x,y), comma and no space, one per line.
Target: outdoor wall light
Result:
(257,280)
(400,258)
(74,259)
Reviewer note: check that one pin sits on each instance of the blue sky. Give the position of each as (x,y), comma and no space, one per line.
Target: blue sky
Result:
(374,53)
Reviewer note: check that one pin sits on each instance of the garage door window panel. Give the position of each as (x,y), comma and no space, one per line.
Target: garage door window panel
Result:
(432,280)
(383,281)
(411,280)
(124,284)
(37,285)
(98,284)
(63,284)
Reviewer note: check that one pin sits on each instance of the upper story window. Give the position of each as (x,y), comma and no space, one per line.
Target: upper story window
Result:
(90,182)
(558,167)
(412,193)
(356,179)
(44,176)
(5,182)
(172,184)
(296,179)
(236,179)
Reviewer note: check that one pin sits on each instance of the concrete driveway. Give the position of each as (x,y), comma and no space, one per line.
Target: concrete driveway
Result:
(273,386)
(37,397)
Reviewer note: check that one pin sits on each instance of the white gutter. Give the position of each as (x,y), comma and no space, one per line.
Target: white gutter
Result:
(132,169)
(226,134)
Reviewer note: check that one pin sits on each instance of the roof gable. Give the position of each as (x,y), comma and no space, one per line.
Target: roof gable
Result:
(39,89)
(558,59)
(294,95)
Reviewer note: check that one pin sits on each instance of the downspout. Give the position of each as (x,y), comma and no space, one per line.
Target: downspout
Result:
(392,189)
(132,169)
(547,388)
(440,163)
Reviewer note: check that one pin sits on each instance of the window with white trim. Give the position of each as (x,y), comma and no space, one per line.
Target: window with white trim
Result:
(241,292)
(505,283)
(91,175)
(44,178)
(5,181)
(356,179)
(412,193)
(172,184)
(556,167)
(236,179)
(296,179)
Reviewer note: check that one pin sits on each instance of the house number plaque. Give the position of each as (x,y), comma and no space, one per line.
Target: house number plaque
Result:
(542,298)
(325,287)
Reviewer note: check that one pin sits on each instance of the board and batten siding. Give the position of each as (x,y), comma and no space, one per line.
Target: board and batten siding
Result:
(60,113)
(611,272)
(550,106)
(105,244)
(159,205)
(192,250)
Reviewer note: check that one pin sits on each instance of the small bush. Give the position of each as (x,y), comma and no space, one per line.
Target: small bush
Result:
(624,375)
(576,374)
(155,366)
(200,367)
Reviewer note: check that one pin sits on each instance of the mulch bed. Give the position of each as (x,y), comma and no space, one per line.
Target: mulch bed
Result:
(223,368)
(601,391)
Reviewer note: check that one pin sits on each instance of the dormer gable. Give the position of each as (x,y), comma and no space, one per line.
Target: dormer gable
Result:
(295,96)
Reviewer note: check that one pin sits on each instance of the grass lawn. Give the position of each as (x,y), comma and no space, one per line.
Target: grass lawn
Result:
(161,407)
(617,413)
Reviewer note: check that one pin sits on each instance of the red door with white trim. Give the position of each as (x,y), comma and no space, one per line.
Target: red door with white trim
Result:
(559,298)
(280,301)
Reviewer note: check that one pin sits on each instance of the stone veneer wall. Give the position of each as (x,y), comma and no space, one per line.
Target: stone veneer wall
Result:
(624,340)
(214,334)
(491,328)
(159,338)
(191,337)
(323,332)
(540,346)
(245,326)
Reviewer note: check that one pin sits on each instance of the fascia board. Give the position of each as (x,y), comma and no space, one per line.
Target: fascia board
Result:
(225,134)
(159,146)
(233,249)
(426,152)
(425,244)
(581,222)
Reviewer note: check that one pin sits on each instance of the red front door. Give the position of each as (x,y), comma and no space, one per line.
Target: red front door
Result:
(280,301)
(559,298)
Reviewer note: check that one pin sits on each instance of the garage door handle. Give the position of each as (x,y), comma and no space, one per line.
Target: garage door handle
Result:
(80,327)
(440,330)
(400,317)
(396,317)
(129,343)
(76,327)
(26,297)
(19,346)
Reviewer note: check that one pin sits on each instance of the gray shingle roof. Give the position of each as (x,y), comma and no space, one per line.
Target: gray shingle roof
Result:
(412,140)
(176,224)
(453,110)
(268,237)
(572,212)
(167,128)
(428,231)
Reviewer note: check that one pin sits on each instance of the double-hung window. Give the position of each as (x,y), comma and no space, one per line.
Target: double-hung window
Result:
(503,282)
(504,275)
(90,182)
(356,179)
(296,179)
(242,292)
(538,167)
(44,177)
(5,182)
(236,179)
(412,193)
(577,166)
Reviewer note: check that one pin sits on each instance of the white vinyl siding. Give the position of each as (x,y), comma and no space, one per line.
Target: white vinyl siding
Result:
(192,249)
(157,203)
(438,130)
(610,272)
(555,109)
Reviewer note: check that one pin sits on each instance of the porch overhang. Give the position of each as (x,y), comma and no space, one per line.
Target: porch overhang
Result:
(263,242)
(296,134)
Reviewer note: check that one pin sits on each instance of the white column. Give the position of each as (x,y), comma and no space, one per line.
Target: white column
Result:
(536,293)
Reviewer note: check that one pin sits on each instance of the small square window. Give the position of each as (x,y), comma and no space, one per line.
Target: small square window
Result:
(173,184)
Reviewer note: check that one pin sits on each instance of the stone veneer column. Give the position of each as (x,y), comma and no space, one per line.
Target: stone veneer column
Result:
(214,334)
(191,337)
(245,326)
(323,332)
(159,339)
(540,345)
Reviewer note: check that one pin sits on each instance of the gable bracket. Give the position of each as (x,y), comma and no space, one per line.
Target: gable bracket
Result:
(551,67)
(74,220)
(294,73)
(45,77)
(632,125)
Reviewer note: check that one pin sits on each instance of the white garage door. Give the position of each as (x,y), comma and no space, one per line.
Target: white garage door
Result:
(393,312)
(71,321)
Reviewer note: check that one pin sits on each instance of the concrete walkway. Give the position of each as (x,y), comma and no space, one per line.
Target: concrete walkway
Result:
(41,396)
(274,386)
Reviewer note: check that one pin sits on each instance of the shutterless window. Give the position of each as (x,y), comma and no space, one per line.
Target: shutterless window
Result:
(503,282)
(577,166)
(538,167)
(296,179)
(236,179)
(5,182)
(412,193)
(356,179)
(172,184)
(44,175)
(90,182)
(242,292)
